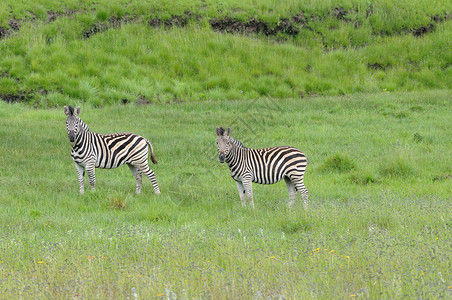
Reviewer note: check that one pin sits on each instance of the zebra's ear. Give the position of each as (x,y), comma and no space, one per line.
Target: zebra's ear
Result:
(66,110)
(219,131)
(227,132)
(77,111)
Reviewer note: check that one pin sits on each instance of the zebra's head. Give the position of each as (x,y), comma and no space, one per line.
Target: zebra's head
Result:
(72,122)
(223,142)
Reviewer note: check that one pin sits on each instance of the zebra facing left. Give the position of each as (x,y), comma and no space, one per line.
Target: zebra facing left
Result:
(91,150)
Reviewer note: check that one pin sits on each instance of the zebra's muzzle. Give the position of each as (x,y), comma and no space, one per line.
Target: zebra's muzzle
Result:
(71,137)
(221,158)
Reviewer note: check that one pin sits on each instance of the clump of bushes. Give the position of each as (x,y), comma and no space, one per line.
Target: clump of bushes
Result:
(364,178)
(291,227)
(338,163)
(399,164)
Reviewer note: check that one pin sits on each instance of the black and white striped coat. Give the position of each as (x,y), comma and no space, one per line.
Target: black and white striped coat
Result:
(91,150)
(264,166)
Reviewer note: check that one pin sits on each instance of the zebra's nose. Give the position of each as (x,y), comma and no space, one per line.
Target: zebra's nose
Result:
(71,136)
(221,158)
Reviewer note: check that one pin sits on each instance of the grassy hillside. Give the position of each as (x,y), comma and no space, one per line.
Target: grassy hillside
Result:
(105,52)
(378,225)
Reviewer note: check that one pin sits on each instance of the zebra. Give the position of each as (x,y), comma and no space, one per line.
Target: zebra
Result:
(91,150)
(264,166)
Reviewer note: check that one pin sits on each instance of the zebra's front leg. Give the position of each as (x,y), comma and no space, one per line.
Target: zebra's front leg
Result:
(138,176)
(249,191)
(91,176)
(241,192)
(81,177)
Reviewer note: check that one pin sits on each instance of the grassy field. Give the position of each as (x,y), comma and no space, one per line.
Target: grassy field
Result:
(362,87)
(378,225)
(109,52)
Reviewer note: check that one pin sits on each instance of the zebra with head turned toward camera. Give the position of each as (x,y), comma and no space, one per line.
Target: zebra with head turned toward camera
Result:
(91,150)
(265,166)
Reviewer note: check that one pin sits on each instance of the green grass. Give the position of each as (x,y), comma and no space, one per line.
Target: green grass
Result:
(49,62)
(378,229)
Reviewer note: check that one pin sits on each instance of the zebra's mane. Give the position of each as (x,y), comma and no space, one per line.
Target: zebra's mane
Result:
(83,125)
(236,142)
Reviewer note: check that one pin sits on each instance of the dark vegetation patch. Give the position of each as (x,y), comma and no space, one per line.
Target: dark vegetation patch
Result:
(420,31)
(4,32)
(231,25)
(301,19)
(22,96)
(444,17)
(442,177)
(178,21)
(53,15)
(142,100)
(377,66)
(6,75)
(339,12)
(14,24)
(113,22)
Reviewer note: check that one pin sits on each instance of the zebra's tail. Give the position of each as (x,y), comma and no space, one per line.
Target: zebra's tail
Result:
(153,158)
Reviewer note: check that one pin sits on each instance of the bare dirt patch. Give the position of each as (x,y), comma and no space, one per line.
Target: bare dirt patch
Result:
(420,31)
(53,15)
(339,12)
(231,25)
(376,66)
(18,97)
(113,22)
(6,75)
(4,32)
(14,24)
(142,100)
(178,21)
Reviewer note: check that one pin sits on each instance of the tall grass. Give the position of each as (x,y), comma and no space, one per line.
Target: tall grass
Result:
(388,237)
(51,61)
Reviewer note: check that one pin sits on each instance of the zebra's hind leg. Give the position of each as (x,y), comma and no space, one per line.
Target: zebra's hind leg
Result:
(292,191)
(138,176)
(241,192)
(299,186)
(151,175)
(81,177)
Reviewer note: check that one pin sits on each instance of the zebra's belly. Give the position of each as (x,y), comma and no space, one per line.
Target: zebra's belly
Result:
(266,180)
(110,164)
(257,179)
